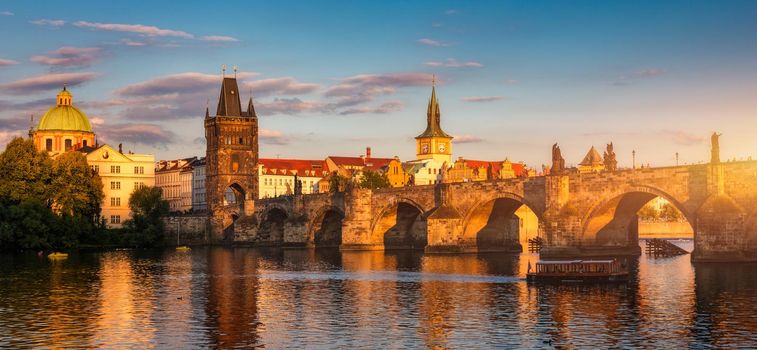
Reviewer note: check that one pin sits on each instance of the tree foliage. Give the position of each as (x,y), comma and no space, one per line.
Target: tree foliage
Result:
(25,173)
(78,191)
(146,228)
(373,180)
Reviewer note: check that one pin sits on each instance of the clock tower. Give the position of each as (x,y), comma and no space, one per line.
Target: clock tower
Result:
(434,143)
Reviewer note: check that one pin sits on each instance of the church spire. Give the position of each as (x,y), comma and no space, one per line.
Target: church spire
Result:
(433,116)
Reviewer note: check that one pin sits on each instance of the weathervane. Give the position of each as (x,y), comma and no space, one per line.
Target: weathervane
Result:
(223,70)
(433,79)
(235,71)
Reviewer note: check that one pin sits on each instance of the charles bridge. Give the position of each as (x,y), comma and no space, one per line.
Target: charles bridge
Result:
(591,214)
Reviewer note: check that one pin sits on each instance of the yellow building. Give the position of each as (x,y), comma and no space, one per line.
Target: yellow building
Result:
(66,128)
(395,172)
(121,174)
(592,162)
(63,127)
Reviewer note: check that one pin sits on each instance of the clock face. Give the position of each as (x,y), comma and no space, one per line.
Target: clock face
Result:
(442,147)
(424,148)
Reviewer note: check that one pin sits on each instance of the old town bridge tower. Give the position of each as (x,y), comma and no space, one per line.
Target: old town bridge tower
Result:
(231,176)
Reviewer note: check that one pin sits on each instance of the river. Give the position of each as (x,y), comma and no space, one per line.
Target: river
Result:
(274,298)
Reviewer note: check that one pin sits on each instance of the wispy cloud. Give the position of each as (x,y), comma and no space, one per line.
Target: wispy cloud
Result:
(272,137)
(451,12)
(69,56)
(134,28)
(6,13)
(46,82)
(188,82)
(466,139)
(129,42)
(220,38)
(384,108)
(483,98)
(289,106)
(638,75)
(6,62)
(431,42)
(453,63)
(684,138)
(280,86)
(49,22)
(137,133)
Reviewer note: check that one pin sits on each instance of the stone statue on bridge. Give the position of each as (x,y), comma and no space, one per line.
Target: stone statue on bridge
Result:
(558,163)
(715,142)
(297,185)
(611,163)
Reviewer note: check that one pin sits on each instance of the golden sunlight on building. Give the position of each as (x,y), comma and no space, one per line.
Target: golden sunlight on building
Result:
(66,128)
(592,162)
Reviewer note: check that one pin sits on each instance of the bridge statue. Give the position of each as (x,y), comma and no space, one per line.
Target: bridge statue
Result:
(715,142)
(611,163)
(558,163)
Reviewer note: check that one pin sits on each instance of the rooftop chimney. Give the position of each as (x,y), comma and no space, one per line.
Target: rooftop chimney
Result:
(367,153)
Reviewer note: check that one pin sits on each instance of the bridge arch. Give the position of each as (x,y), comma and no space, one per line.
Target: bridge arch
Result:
(611,219)
(501,222)
(400,224)
(272,223)
(325,230)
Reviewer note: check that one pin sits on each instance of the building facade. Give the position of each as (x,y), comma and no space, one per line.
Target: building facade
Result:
(277,176)
(174,177)
(592,162)
(63,127)
(199,205)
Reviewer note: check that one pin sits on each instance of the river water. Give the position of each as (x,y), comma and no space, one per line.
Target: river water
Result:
(244,297)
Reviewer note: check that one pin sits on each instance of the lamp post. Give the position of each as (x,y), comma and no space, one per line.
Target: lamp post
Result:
(633,154)
(676,158)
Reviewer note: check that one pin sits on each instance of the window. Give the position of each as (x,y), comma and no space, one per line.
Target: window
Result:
(115,185)
(429,171)
(68,144)
(96,168)
(115,219)
(115,201)
(49,145)
(139,185)
(139,170)
(84,143)
(115,169)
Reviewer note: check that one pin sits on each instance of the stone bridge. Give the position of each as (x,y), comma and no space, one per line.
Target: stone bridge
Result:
(579,214)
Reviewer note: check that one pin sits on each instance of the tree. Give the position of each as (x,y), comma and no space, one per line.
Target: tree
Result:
(373,180)
(670,213)
(648,212)
(145,228)
(338,183)
(78,191)
(25,173)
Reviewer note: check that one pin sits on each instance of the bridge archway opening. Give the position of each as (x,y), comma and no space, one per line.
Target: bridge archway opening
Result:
(402,226)
(624,219)
(501,224)
(327,229)
(234,196)
(271,229)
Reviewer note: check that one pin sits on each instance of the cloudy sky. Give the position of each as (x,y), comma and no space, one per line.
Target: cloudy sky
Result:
(329,78)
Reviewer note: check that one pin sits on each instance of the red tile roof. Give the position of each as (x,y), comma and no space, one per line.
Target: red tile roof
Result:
(300,167)
(371,163)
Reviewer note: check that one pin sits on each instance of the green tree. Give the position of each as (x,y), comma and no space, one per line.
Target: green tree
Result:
(25,173)
(338,183)
(78,191)
(373,180)
(648,212)
(146,228)
(670,213)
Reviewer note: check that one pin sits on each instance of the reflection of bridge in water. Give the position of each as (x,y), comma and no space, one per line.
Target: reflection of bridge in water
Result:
(578,214)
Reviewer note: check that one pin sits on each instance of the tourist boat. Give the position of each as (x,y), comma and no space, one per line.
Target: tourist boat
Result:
(578,271)
(57,255)
(183,249)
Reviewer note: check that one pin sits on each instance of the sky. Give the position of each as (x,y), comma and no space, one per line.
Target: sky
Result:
(332,77)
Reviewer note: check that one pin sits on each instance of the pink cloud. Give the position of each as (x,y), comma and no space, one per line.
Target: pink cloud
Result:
(453,63)
(129,42)
(146,134)
(466,139)
(431,42)
(387,107)
(483,98)
(46,82)
(684,138)
(189,82)
(5,62)
(280,86)
(272,137)
(220,38)
(69,56)
(375,84)
(134,28)
(288,106)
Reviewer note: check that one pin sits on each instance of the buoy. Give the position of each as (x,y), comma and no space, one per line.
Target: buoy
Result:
(183,249)
(57,255)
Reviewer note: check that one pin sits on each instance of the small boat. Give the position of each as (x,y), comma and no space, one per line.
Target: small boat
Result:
(183,249)
(57,255)
(578,271)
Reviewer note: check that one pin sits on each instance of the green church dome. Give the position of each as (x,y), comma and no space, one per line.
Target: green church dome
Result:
(64,116)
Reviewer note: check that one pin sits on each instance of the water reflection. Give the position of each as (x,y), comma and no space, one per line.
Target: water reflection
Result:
(241,298)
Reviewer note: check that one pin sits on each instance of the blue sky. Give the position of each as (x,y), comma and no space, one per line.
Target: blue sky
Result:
(331,77)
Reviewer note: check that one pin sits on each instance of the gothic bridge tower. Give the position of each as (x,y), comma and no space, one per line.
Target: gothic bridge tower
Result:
(231,173)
